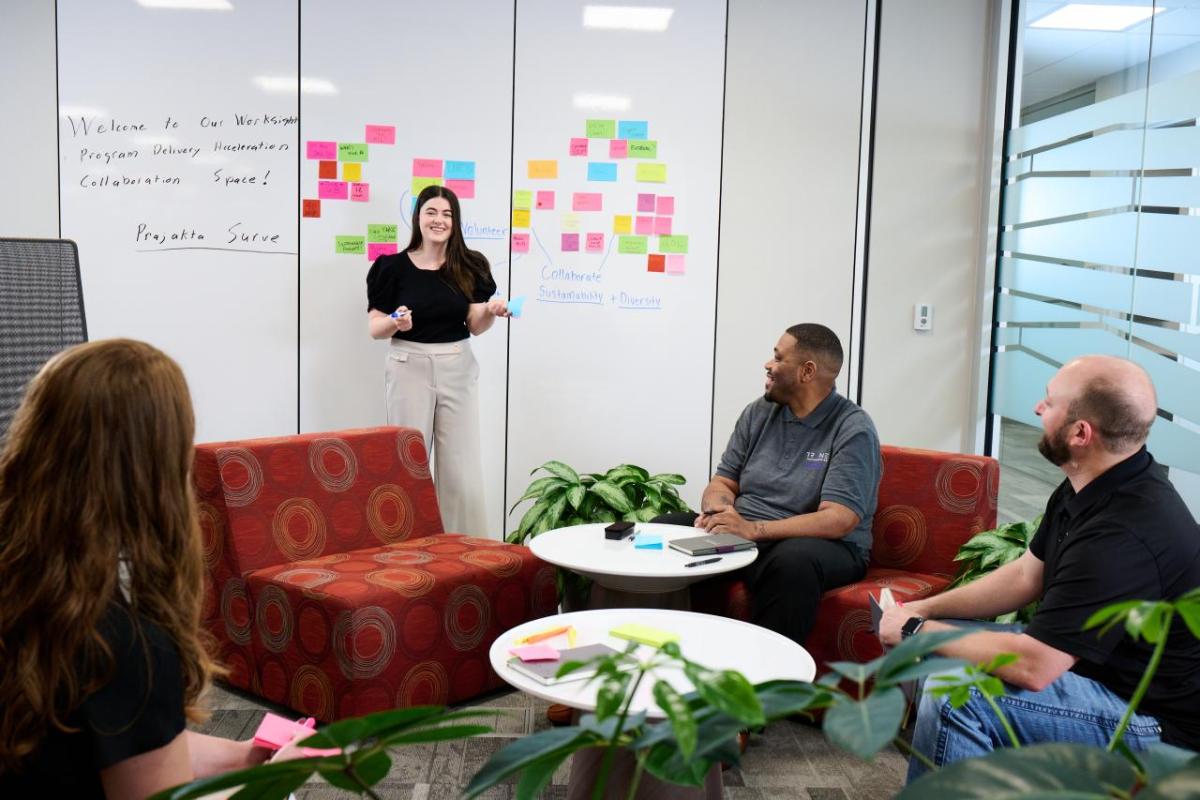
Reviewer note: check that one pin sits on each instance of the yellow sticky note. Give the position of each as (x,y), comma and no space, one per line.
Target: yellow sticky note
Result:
(570,221)
(651,173)
(351,171)
(523,199)
(643,634)
(520,218)
(420,183)
(622,223)
(543,169)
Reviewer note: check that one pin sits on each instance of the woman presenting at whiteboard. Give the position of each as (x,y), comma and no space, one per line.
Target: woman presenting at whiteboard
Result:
(428,300)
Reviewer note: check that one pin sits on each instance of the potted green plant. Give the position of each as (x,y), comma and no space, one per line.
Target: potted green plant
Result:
(987,551)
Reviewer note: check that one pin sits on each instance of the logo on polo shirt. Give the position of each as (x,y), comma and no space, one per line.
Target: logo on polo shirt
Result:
(816,460)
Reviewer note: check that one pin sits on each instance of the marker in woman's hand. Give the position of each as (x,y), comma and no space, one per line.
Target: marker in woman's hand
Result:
(398,314)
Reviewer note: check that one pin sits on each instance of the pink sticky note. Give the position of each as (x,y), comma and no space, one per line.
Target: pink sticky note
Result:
(381,134)
(333,190)
(618,148)
(587,201)
(646,203)
(360,192)
(520,242)
(579,147)
(275,731)
(570,242)
(674,264)
(427,168)
(535,652)
(665,206)
(545,201)
(326,150)
(644,226)
(595,242)
(662,226)
(464,189)
(377,249)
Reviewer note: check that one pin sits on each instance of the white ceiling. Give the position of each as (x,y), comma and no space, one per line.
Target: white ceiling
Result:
(1056,61)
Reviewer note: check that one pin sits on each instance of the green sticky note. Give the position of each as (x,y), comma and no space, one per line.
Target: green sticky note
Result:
(601,129)
(631,244)
(522,199)
(352,151)
(386,232)
(641,148)
(351,245)
(672,244)
(419,184)
(651,173)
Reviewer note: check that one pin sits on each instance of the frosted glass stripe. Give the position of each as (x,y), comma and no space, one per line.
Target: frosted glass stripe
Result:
(1166,148)
(1176,192)
(1169,242)
(1020,383)
(1171,301)
(1175,445)
(1026,309)
(1103,240)
(1178,342)
(1177,384)
(1042,198)
(1063,344)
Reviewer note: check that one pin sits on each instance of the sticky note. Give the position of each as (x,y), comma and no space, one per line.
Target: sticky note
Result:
(662,226)
(545,201)
(644,226)
(601,129)
(543,169)
(648,541)
(520,218)
(377,249)
(587,201)
(631,244)
(673,244)
(464,189)
(646,203)
(570,222)
(643,634)
(520,242)
(515,307)
(601,171)
(460,170)
(332,190)
(380,134)
(656,262)
(595,243)
(535,652)
(651,173)
(427,167)
(382,232)
(360,192)
(275,731)
(419,183)
(675,264)
(633,129)
(570,242)
(352,151)
(622,223)
(523,198)
(352,245)
(310,208)
(579,147)
(665,206)
(322,150)
(618,148)
(352,172)
(327,170)
(640,148)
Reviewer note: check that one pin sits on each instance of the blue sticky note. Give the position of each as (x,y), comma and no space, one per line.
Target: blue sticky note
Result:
(648,541)
(515,305)
(459,170)
(633,129)
(599,171)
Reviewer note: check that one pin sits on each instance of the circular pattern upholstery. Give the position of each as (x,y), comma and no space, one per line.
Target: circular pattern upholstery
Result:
(957,485)
(421,628)
(390,513)
(274,616)
(467,617)
(312,692)
(212,536)
(993,484)
(306,577)
(501,563)
(364,642)
(314,630)
(241,476)
(403,557)
(403,580)
(543,591)
(235,611)
(854,625)
(273,679)
(903,538)
(411,449)
(480,541)
(424,684)
(333,463)
(299,528)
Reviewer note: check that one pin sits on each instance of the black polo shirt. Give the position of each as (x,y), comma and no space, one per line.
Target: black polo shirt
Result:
(1126,536)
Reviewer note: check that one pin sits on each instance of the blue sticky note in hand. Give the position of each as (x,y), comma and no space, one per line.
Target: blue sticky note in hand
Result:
(648,541)
(515,305)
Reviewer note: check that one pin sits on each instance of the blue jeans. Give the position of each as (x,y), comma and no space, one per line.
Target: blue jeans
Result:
(1072,709)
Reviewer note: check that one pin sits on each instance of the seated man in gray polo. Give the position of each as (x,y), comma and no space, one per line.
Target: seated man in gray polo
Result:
(800,477)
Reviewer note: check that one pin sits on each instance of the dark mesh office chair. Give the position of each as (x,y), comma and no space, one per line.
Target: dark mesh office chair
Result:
(41,312)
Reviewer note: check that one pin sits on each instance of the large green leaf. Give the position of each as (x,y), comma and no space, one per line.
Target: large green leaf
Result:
(1047,770)
(666,763)
(653,494)
(727,691)
(530,518)
(859,673)
(641,474)
(646,514)
(865,727)
(538,488)
(554,514)
(576,494)
(560,470)
(370,770)
(683,724)
(525,751)
(1181,785)
(351,731)
(912,649)
(536,775)
(276,789)
(263,774)
(669,477)
(612,496)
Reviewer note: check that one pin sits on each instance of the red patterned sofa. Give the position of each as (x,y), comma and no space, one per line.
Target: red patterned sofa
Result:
(929,504)
(331,586)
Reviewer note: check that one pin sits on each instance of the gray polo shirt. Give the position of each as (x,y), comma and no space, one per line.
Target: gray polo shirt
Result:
(785,466)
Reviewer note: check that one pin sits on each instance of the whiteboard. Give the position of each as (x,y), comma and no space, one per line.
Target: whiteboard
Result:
(439,91)
(177,180)
(612,362)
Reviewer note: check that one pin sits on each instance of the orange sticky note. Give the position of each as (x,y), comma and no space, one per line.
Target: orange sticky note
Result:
(543,169)
(327,170)
(656,263)
(311,208)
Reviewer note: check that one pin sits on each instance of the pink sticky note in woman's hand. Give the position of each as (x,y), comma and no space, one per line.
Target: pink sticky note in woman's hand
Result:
(535,652)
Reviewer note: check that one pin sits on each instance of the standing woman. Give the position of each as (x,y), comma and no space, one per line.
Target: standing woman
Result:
(439,291)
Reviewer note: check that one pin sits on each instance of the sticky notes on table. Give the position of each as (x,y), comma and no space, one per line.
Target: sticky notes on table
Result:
(664,205)
(570,242)
(640,148)
(333,190)
(631,244)
(352,171)
(656,262)
(360,192)
(579,147)
(675,264)
(543,169)
(321,150)
(427,167)
(545,201)
(419,183)
(350,245)
(310,208)
(601,129)
(464,189)
(673,244)
(515,307)
(520,218)
(662,226)
(645,203)
(648,541)
(459,170)
(601,171)
(380,134)
(352,151)
(595,243)
(327,170)
(520,242)
(523,198)
(535,652)
(643,634)
(651,173)
(633,129)
(618,148)
(644,226)
(377,249)
(587,201)
(622,223)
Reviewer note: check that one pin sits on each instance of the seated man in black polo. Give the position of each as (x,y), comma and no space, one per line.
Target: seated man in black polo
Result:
(800,477)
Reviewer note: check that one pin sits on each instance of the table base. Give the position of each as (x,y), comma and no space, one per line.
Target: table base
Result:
(604,597)
(585,770)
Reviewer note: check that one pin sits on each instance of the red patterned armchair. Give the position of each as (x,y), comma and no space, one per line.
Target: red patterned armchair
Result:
(332,588)
(929,504)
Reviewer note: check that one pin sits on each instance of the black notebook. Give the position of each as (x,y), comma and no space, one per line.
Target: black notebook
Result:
(713,543)
(545,671)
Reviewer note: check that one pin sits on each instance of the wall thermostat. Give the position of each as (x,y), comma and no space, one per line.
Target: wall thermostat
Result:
(922,317)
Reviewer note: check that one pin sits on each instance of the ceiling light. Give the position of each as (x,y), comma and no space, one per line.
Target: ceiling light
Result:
(600,102)
(1089,17)
(188,5)
(287,85)
(630,18)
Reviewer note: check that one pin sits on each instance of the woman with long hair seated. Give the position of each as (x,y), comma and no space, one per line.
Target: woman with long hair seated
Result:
(102,659)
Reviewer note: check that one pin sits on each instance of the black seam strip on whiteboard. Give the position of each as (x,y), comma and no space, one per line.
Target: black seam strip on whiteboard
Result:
(712,405)
(858,193)
(58,125)
(298,196)
(512,152)
(866,261)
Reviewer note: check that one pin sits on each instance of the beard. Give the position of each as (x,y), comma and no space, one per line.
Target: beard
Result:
(1053,447)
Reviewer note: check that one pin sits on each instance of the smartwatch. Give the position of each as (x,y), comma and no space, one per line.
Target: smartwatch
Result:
(911,626)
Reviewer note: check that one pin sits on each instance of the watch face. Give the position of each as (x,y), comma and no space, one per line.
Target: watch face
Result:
(912,625)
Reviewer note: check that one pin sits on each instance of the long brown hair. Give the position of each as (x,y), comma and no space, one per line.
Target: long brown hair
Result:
(95,480)
(463,266)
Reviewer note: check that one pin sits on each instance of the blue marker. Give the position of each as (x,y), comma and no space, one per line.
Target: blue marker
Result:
(399,314)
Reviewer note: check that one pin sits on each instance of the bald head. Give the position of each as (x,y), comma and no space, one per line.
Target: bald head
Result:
(1114,395)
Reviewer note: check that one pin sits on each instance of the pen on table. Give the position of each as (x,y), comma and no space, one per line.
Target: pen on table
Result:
(703,562)
(546,634)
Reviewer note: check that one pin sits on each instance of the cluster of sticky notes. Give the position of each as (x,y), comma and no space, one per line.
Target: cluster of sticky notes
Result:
(535,652)
(382,240)
(457,176)
(275,732)
(655,217)
(627,138)
(648,541)
(350,156)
